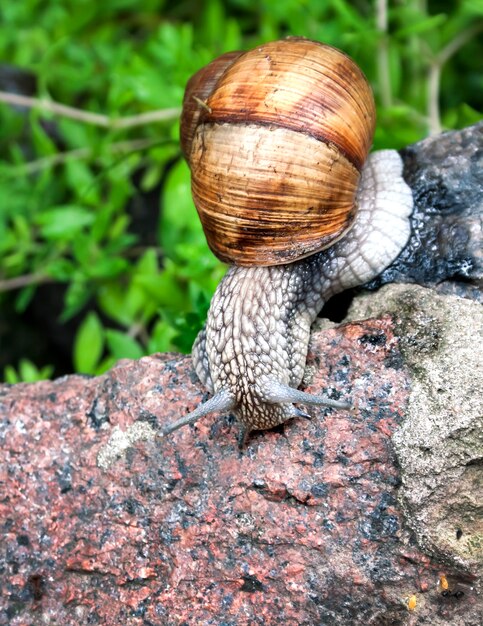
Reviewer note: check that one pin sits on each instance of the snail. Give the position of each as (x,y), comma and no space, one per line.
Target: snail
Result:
(277,140)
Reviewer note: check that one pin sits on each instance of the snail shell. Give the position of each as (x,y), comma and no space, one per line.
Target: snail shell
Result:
(276,139)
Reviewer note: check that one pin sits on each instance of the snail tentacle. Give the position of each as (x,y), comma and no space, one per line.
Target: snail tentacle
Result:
(273,391)
(222,401)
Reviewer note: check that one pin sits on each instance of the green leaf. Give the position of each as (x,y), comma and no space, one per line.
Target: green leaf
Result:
(88,344)
(473,7)
(105,365)
(82,181)
(179,220)
(129,304)
(112,302)
(162,336)
(164,288)
(151,178)
(123,346)
(61,269)
(213,22)
(148,263)
(107,267)
(10,375)
(24,298)
(422,26)
(77,295)
(118,227)
(64,222)
(27,372)
(43,143)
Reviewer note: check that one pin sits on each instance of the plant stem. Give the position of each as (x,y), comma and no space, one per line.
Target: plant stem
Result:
(81,153)
(96,119)
(383,53)
(9,284)
(435,69)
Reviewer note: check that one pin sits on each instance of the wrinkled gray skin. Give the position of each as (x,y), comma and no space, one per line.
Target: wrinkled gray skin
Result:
(252,352)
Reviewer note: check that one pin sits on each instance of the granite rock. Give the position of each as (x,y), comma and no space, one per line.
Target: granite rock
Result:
(102,522)
(440,443)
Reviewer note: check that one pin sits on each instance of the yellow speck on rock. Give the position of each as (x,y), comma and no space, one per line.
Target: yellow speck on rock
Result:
(412,602)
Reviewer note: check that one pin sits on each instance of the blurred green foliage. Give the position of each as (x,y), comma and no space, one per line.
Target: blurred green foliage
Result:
(71,183)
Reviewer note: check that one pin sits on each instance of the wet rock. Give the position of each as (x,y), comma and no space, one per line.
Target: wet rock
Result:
(445,249)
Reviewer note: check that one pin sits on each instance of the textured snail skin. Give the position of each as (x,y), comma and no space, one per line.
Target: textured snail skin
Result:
(252,352)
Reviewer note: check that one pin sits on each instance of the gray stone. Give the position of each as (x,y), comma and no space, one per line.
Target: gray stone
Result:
(445,249)
(440,443)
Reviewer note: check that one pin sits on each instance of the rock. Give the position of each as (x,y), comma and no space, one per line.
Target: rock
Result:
(440,443)
(103,523)
(445,249)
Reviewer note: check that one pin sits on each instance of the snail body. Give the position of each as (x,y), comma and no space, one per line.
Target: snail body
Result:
(277,141)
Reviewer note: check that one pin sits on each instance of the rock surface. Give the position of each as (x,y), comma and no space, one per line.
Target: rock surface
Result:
(325,522)
(445,249)
(440,443)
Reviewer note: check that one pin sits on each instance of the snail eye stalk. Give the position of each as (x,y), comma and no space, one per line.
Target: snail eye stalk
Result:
(221,401)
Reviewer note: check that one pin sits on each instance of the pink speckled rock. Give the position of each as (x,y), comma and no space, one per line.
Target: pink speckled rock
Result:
(104,524)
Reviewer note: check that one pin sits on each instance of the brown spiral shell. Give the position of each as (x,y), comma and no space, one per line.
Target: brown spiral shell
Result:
(275,139)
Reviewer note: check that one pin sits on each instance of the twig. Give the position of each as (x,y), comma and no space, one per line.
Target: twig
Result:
(463,37)
(96,119)
(80,153)
(24,281)
(383,53)
(149,117)
(202,104)
(435,69)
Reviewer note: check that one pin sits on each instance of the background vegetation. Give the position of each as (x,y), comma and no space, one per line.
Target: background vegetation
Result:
(101,253)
